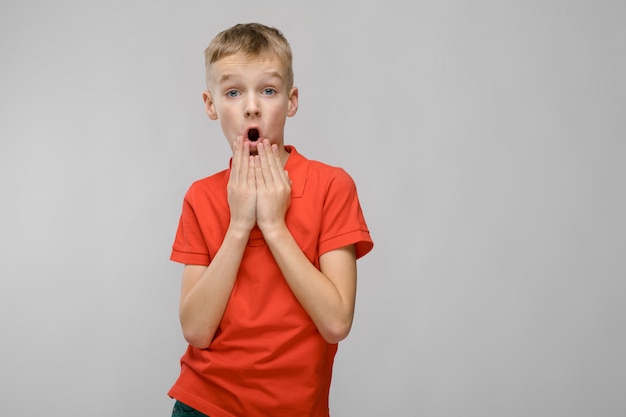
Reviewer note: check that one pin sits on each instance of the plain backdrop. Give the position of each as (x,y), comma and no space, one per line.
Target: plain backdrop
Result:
(487,141)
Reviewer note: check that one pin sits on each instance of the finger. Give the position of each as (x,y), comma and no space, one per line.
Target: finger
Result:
(251,171)
(258,172)
(271,164)
(275,164)
(243,162)
(265,164)
(244,169)
(282,173)
(236,160)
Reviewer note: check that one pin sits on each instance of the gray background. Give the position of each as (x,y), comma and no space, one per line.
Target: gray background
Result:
(487,142)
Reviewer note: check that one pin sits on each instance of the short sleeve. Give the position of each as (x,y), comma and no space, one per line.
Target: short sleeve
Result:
(189,245)
(343,223)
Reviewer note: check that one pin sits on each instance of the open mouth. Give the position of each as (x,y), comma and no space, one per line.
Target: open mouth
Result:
(253,135)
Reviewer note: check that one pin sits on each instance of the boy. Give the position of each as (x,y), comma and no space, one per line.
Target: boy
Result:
(269,247)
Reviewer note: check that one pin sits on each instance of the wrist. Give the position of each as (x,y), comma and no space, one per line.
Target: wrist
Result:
(273,231)
(239,231)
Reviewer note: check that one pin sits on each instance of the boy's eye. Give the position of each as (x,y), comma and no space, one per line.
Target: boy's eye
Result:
(269,91)
(232,93)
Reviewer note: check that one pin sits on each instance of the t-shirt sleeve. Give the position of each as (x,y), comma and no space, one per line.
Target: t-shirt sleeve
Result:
(189,245)
(343,223)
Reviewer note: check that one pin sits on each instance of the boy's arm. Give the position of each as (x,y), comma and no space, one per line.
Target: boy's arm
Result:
(206,289)
(327,294)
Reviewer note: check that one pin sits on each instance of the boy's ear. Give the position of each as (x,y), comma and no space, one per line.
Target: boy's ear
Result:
(209,105)
(292,106)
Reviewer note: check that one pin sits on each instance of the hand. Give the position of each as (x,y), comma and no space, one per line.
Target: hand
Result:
(241,187)
(273,187)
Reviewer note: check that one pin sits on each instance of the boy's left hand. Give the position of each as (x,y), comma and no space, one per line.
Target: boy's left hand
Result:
(273,187)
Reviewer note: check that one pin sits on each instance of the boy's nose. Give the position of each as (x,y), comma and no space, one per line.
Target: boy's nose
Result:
(252,107)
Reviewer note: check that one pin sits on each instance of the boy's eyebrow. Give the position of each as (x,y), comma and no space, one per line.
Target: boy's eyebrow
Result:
(270,74)
(225,77)
(274,74)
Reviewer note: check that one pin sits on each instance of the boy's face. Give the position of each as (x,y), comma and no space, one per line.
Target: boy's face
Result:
(250,97)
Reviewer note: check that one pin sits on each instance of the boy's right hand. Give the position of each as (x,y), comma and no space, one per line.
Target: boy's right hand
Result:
(242,188)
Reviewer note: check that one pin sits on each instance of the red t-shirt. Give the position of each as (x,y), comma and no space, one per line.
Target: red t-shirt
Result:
(267,358)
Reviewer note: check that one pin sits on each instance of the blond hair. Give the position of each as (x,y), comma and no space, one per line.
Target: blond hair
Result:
(251,39)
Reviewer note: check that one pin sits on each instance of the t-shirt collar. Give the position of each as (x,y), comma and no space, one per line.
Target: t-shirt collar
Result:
(297,166)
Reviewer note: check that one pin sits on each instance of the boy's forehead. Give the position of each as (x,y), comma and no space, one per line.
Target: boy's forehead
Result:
(234,65)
